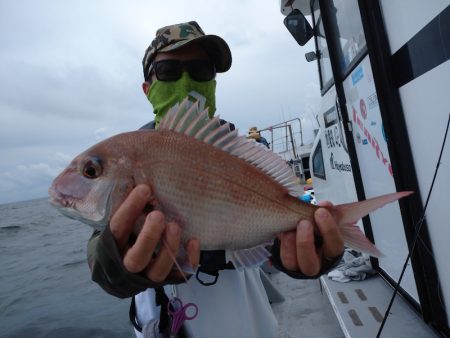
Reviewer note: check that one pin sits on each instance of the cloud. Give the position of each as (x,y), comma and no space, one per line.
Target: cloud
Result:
(101,133)
(30,180)
(71,75)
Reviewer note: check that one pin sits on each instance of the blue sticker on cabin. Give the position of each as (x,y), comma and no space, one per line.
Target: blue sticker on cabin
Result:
(357,74)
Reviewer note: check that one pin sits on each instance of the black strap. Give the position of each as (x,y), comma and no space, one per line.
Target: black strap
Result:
(132,315)
(211,262)
(162,300)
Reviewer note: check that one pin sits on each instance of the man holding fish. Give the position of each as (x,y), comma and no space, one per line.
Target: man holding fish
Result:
(208,201)
(167,62)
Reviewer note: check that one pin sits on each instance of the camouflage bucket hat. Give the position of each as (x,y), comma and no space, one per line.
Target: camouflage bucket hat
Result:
(176,36)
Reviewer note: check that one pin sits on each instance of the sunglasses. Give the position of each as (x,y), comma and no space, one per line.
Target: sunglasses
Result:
(171,70)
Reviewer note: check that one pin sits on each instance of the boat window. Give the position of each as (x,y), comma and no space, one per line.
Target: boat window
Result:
(326,74)
(317,162)
(347,29)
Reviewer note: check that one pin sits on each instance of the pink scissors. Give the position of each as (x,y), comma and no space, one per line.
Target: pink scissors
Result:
(179,313)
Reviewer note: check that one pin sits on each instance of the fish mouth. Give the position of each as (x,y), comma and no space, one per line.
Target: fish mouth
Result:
(60,200)
(65,204)
(69,206)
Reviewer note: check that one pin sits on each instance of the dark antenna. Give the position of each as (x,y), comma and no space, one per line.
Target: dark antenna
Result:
(416,236)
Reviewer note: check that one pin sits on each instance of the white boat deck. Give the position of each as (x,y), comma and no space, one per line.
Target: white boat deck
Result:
(360,308)
(353,309)
(306,312)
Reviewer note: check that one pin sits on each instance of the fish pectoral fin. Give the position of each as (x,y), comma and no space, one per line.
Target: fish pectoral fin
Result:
(248,258)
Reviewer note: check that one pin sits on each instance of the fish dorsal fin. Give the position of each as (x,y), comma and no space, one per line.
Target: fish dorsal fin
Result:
(186,118)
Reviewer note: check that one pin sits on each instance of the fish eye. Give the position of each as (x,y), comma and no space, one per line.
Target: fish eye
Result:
(92,169)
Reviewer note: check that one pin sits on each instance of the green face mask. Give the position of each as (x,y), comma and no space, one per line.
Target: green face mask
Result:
(165,94)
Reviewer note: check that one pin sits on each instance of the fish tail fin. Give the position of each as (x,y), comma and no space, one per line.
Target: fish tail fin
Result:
(352,212)
(355,239)
(347,215)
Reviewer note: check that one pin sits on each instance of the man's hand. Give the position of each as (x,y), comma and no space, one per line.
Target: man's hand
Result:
(298,250)
(139,256)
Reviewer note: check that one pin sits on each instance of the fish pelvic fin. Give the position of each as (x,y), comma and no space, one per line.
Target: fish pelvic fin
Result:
(248,258)
(346,215)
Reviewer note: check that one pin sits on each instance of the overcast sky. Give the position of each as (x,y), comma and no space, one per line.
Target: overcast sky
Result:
(71,75)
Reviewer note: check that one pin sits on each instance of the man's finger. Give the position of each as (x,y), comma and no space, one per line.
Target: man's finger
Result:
(122,222)
(193,252)
(139,255)
(162,264)
(325,204)
(288,250)
(333,244)
(307,258)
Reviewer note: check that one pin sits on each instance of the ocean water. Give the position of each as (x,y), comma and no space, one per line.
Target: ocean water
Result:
(45,285)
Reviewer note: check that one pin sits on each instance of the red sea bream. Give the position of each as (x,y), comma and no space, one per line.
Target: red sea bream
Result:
(227,191)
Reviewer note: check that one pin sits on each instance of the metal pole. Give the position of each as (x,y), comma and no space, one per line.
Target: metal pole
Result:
(292,141)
